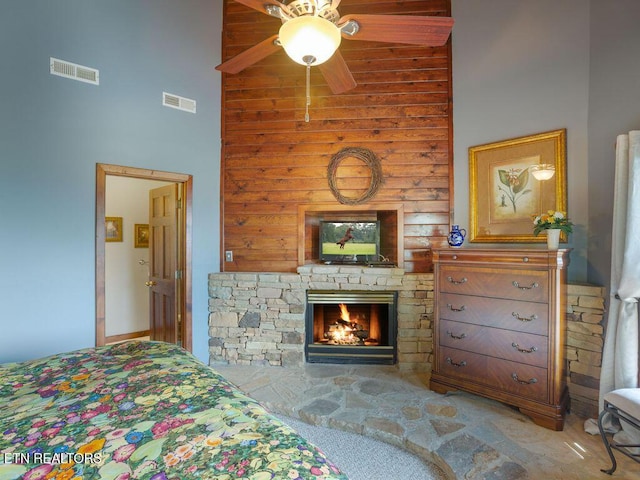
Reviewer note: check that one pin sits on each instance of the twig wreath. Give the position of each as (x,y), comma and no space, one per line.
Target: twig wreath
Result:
(370,160)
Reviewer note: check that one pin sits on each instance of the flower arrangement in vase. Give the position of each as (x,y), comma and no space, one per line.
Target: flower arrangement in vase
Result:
(553,222)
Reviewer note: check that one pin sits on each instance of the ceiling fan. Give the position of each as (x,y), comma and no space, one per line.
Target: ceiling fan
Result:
(311,32)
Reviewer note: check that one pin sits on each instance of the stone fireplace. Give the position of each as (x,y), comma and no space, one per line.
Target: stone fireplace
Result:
(351,327)
(261,318)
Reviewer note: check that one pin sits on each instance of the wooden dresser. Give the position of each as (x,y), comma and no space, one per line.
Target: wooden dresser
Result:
(499,327)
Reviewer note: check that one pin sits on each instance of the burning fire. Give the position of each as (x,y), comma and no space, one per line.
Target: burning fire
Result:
(346,331)
(344,313)
(343,332)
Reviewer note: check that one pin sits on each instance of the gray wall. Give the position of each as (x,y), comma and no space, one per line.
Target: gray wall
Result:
(53,131)
(614,108)
(521,68)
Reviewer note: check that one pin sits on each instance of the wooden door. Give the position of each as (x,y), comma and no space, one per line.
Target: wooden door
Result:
(164,274)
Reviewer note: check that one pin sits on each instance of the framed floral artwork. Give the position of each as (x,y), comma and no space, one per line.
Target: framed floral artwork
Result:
(504,195)
(113,229)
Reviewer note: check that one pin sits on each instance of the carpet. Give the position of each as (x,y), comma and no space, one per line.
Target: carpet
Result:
(364,458)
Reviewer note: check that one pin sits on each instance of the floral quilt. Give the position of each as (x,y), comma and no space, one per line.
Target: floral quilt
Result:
(141,410)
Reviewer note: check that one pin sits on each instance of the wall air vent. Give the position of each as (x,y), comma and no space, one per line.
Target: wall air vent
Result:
(73,71)
(181,103)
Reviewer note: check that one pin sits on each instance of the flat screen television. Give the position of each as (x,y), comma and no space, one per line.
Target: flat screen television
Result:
(349,242)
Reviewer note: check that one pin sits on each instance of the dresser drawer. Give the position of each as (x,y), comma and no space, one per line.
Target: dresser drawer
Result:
(523,380)
(536,258)
(516,346)
(461,364)
(527,285)
(515,378)
(521,316)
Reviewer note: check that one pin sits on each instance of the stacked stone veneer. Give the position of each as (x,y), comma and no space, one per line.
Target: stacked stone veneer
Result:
(585,340)
(259,319)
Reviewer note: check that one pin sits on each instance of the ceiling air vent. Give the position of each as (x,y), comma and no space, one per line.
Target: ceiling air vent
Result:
(74,71)
(181,103)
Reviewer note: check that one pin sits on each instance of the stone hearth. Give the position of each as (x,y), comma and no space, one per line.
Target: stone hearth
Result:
(259,318)
(468,436)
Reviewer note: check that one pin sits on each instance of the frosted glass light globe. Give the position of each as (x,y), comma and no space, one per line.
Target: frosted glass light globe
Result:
(543,171)
(309,40)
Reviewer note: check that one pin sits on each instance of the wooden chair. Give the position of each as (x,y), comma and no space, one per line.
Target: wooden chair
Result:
(624,405)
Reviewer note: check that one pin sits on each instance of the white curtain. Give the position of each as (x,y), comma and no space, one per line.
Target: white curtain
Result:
(620,354)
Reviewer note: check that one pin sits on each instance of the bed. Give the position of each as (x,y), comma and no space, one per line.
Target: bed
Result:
(141,410)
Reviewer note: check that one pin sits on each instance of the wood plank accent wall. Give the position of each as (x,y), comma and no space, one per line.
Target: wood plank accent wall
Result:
(272,161)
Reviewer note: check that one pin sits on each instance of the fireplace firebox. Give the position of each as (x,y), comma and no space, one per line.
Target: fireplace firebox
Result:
(351,327)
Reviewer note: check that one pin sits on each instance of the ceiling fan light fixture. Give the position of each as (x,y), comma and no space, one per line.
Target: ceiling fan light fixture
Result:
(543,171)
(309,40)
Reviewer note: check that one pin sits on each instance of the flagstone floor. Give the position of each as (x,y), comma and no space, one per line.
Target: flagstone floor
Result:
(468,436)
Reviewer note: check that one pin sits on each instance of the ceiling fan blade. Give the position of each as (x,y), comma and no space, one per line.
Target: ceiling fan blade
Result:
(411,29)
(337,74)
(260,5)
(250,56)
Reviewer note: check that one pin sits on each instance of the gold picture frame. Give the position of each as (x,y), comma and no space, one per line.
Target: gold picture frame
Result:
(141,235)
(504,196)
(113,229)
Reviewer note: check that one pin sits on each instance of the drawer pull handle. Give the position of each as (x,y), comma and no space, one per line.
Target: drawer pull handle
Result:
(457,337)
(461,364)
(524,319)
(523,382)
(523,350)
(457,282)
(454,309)
(523,287)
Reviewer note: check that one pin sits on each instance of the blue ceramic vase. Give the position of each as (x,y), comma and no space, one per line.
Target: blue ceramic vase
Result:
(456,236)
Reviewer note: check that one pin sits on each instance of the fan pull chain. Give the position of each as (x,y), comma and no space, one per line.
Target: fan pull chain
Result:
(306,113)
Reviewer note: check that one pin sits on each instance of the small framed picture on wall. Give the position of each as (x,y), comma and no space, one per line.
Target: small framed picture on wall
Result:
(141,235)
(113,229)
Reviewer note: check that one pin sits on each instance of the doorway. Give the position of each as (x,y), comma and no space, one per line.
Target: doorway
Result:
(180,318)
